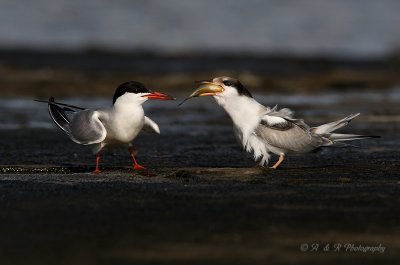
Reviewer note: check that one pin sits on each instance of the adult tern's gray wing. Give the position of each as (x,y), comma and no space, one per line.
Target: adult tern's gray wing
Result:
(86,128)
(61,116)
(285,133)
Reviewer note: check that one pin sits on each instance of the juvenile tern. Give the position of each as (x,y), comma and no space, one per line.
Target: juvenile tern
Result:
(263,130)
(115,125)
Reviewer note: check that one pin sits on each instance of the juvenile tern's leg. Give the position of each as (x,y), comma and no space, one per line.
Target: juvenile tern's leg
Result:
(136,165)
(281,157)
(97,170)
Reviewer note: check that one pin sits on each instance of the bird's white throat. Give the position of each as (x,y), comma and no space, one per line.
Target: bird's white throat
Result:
(246,114)
(244,111)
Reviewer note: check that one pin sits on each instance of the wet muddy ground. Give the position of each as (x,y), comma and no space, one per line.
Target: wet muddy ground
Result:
(207,204)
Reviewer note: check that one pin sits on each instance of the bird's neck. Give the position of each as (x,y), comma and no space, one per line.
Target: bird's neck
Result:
(127,109)
(244,111)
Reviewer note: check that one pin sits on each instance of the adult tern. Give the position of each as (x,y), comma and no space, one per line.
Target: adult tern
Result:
(115,125)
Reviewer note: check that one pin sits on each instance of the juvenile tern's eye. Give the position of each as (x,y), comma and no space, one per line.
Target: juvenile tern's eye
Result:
(227,83)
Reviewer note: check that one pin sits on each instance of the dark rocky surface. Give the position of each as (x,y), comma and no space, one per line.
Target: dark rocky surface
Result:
(207,204)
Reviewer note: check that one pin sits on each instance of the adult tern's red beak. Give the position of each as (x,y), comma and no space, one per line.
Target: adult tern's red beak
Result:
(158,95)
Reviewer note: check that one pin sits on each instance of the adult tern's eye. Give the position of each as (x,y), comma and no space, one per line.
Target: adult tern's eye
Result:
(227,83)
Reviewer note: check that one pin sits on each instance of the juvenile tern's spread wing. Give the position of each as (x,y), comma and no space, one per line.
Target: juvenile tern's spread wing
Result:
(150,126)
(86,128)
(276,123)
(288,134)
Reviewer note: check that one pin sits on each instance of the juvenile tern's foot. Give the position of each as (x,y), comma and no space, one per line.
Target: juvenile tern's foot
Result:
(97,170)
(281,158)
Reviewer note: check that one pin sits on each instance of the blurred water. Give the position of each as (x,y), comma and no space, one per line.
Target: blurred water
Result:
(18,113)
(333,27)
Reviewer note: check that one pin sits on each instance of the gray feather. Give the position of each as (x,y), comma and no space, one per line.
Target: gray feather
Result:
(86,128)
(59,116)
(294,139)
(339,137)
(333,126)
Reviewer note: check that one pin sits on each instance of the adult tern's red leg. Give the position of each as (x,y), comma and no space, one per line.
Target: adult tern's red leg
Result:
(136,165)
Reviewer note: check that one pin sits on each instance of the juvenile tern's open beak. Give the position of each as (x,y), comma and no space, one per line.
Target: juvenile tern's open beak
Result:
(158,95)
(207,88)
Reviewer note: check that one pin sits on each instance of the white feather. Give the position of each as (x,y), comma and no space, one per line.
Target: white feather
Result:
(150,126)
(333,126)
(246,114)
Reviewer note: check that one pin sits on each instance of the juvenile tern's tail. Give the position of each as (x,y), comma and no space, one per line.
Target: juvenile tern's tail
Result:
(339,137)
(333,126)
(326,130)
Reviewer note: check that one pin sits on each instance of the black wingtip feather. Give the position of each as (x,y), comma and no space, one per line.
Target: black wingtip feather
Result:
(58,116)
(53,102)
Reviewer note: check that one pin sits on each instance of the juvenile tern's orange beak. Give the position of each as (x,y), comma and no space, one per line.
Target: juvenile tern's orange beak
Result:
(158,95)
(207,88)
